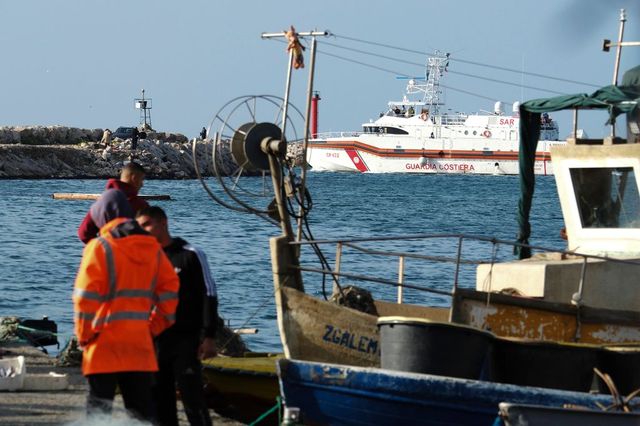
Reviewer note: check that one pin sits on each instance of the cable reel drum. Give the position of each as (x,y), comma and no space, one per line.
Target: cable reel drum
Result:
(249,142)
(242,132)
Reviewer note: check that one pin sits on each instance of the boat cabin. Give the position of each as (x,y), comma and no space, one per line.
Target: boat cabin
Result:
(598,184)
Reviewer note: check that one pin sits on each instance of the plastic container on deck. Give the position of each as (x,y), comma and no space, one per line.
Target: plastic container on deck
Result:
(12,372)
(622,363)
(422,346)
(45,382)
(545,364)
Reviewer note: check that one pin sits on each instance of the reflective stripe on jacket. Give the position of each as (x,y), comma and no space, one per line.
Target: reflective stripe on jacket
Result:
(126,291)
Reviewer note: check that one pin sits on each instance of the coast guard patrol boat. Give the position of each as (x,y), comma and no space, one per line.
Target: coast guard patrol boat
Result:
(416,137)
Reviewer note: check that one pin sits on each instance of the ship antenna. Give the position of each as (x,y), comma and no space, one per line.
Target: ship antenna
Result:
(436,67)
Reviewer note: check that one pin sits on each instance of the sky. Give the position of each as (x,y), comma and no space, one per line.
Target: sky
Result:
(82,63)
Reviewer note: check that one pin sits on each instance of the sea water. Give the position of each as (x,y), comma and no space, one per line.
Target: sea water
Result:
(40,252)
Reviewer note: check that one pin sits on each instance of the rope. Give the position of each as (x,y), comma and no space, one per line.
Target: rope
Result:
(517,71)
(508,83)
(51,333)
(269,411)
(620,402)
(267,299)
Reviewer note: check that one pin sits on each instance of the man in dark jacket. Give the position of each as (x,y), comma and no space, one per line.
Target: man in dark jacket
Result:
(130,182)
(192,338)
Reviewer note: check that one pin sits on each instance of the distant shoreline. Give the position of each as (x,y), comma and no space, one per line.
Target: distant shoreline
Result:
(57,152)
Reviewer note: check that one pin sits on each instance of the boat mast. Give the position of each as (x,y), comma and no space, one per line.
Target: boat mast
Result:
(436,67)
(285,221)
(607,44)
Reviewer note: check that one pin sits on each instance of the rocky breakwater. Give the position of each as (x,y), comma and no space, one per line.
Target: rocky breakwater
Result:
(57,152)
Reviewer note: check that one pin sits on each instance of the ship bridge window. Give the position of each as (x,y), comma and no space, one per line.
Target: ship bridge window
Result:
(394,131)
(385,129)
(607,197)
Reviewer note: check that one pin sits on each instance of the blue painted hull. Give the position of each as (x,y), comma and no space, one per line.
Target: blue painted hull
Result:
(330,394)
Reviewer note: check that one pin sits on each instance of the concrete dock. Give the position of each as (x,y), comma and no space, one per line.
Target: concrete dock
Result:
(65,407)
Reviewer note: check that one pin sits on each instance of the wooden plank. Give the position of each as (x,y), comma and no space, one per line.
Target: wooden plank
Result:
(80,196)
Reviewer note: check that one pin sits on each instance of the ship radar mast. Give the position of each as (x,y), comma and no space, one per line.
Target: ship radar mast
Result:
(436,67)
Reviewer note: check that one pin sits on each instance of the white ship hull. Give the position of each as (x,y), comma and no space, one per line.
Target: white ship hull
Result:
(404,154)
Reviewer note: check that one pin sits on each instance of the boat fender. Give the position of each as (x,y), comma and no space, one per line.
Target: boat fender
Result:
(486,134)
(424,116)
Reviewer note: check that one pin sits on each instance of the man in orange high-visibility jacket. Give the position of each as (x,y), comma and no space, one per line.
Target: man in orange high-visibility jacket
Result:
(126,292)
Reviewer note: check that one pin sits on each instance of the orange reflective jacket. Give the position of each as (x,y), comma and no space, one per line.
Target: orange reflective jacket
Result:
(126,291)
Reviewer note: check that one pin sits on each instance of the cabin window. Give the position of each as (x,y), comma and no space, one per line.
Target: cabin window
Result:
(607,197)
(394,131)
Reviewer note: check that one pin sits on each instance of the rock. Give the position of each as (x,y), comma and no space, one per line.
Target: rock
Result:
(37,152)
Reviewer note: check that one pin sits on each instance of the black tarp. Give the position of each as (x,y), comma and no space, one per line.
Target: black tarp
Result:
(616,99)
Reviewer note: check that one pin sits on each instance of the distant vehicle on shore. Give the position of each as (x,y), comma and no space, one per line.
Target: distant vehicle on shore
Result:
(127,133)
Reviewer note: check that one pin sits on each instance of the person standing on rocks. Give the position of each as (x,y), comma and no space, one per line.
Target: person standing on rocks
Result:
(203,133)
(134,139)
(192,338)
(126,292)
(130,182)
(106,138)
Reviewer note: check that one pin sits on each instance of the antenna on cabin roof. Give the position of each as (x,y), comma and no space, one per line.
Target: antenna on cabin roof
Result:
(437,65)
(607,44)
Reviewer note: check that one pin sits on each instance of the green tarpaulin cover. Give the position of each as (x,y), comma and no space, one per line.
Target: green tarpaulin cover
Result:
(616,99)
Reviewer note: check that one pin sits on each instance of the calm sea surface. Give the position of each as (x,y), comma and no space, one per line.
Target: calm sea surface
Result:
(40,253)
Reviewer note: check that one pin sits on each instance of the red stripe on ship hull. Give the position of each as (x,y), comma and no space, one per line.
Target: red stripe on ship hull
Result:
(412,153)
(357,160)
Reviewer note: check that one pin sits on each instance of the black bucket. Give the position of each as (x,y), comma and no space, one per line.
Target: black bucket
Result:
(623,365)
(444,349)
(545,364)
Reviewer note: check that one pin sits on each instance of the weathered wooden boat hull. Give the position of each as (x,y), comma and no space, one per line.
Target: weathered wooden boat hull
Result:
(242,388)
(328,394)
(528,318)
(316,330)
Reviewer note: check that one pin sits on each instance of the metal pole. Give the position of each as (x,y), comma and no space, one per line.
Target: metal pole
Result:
(576,298)
(336,284)
(303,174)
(400,278)
(300,34)
(575,124)
(623,19)
(458,256)
(276,178)
(288,83)
(287,89)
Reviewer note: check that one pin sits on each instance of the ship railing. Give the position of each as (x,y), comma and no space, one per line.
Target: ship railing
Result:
(453,120)
(460,253)
(327,135)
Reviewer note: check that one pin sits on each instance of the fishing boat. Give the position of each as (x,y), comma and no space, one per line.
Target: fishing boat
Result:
(598,185)
(326,394)
(242,387)
(584,295)
(420,136)
(524,415)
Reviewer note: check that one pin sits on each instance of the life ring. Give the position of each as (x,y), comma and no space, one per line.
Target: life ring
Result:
(486,134)
(424,116)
